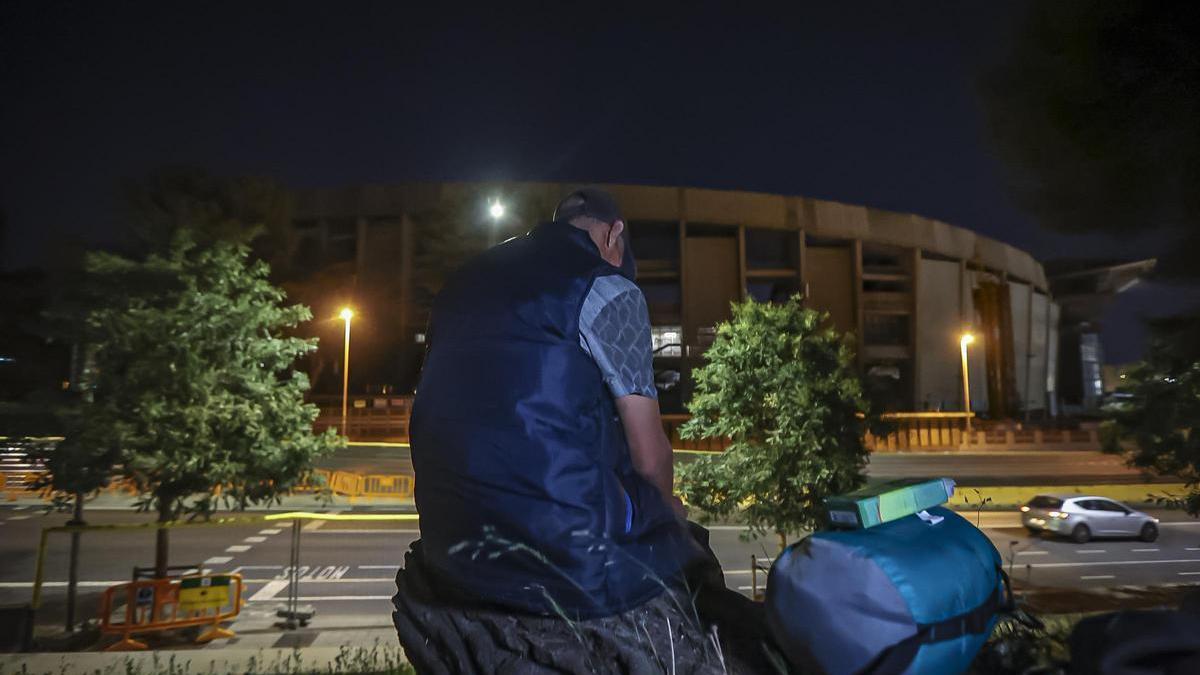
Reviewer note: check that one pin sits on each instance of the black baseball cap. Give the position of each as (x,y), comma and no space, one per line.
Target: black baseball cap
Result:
(589,201)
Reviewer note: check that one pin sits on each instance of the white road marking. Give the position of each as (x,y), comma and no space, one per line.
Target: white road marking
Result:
(1192,548)
(218,560)
(1188,574)
(313,525)
(1145,550)
(314,580)
(364,531)
(238,548)
(306,572)
(254,540)
(1117,562)
(326,598)
(1033,553)
(106,584)
(270,531)
(738,571)
(1179,524)
(379,567)
(269,591)
(61,584)
(1091,550)
(1098,576)
(18,517)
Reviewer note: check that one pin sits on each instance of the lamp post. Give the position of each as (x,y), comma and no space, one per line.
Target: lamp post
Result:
(496,211)
(965,340)
(346,315)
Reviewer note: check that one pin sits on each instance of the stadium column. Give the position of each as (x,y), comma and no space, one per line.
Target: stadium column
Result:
(913,319)
(856,252)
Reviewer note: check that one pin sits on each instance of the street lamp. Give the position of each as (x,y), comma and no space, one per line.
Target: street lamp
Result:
(965,340)
(496,211)
(346,315)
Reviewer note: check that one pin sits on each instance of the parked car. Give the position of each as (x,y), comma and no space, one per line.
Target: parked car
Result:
(1082,517)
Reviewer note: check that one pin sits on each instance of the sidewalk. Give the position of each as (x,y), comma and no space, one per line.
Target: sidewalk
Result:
(383,657)
(304,502)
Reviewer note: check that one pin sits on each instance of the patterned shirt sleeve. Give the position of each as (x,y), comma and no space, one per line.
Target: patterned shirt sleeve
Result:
(614,329)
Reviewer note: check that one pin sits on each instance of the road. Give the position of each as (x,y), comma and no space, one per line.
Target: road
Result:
(1037,467)
(347,568)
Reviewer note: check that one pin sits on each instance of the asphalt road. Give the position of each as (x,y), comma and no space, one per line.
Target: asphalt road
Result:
(347,568)
(1036,467)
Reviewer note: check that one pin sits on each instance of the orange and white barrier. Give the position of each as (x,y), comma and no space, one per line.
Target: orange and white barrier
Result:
(167,604)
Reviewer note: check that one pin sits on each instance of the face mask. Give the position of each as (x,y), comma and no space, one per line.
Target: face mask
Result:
(628,264)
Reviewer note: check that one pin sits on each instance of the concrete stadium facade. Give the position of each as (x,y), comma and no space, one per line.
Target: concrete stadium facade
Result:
(905,286)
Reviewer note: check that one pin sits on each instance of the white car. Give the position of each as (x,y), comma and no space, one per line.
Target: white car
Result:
(1082,517)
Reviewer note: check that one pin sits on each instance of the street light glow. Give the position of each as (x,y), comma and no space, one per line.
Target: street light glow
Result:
(497,210)
(963,341)
(346,315)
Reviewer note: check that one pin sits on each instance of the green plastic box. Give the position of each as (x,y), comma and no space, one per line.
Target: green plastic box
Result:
(887,501)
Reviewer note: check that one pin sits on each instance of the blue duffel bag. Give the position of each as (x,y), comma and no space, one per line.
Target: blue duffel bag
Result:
(915,595)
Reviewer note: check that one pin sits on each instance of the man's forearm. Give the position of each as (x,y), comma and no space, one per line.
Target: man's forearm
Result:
(649,447)
(656,463)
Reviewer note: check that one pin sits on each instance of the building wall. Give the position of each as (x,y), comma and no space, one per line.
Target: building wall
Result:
(900,283)
(1019,299)
(977,351)
(1052,344)
(830,277)
(1038,352)
(938,330)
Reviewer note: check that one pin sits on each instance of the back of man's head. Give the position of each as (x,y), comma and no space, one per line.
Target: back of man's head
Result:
(588,203)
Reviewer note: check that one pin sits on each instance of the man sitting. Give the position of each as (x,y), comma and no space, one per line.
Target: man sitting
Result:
(543,475)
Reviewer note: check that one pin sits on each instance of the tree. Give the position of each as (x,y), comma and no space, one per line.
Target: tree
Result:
(459,226)
(779,382)
(1094,114)
(1160,419)
(195,391)
(250,210)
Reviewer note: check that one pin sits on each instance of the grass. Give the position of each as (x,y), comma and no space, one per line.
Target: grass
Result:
(375,660)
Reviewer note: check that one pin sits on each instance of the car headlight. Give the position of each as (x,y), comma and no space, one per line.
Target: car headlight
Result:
(1024,509)
(1058,514)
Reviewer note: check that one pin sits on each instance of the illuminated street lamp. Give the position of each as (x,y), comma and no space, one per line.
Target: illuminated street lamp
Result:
(346,315)
(965,340)
(496,211)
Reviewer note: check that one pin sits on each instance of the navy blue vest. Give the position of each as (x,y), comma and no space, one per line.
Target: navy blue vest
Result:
(527,495)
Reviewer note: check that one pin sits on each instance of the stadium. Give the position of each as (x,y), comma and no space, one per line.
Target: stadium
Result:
(905,287)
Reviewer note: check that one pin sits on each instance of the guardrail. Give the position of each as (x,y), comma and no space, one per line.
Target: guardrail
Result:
(156,605)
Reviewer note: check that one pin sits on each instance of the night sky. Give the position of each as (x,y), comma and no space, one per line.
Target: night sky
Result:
(868,103)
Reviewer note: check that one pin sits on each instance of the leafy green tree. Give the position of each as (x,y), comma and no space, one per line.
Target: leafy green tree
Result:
(1094,114)
(1160,421)
(459,226)
(779,382)
(195,390)
(251,210)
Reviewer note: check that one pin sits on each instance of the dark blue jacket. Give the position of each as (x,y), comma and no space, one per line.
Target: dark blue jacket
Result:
(527,495)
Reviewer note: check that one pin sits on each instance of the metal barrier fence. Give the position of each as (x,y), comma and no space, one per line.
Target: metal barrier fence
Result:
(170,607)
(353,486)
(155,605)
